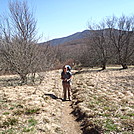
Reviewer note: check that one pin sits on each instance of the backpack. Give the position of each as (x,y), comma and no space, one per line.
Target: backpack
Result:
(68,67)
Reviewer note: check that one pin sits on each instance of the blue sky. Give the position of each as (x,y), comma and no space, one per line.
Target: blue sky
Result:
(60,18)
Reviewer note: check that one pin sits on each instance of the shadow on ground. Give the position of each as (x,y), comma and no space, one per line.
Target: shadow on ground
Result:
(98,70)
(53,97)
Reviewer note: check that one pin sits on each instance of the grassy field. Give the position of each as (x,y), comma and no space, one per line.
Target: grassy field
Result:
(31,109)
(103,102)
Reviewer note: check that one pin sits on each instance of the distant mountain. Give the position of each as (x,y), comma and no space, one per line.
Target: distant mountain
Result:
(76,36)
(79,36)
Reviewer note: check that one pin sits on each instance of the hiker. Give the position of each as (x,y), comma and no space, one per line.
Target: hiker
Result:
(66,81)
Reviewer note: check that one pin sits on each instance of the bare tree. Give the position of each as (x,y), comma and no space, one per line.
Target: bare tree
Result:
(18,43)
(100,44)
(48,57)
(121,34)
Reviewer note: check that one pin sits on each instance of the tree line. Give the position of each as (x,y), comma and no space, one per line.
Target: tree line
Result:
(109,42)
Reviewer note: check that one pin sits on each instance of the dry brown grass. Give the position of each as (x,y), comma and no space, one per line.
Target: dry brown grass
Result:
(30,109)
(104,100)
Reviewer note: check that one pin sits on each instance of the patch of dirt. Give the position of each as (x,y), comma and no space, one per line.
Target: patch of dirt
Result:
(68,122)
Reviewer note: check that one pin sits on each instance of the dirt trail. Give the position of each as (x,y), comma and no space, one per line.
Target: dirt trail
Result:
(69,124)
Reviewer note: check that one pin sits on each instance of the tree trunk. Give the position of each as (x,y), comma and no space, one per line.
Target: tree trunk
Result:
(104,64)
(23,79)
(103,67)
(124,66)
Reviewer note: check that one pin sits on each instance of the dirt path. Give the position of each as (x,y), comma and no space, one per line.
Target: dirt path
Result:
(69,125)
(68,122)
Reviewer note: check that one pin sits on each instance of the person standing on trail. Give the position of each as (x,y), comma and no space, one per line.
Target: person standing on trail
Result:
(66,80)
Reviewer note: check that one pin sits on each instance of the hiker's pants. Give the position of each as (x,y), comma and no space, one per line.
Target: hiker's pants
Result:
(66,89)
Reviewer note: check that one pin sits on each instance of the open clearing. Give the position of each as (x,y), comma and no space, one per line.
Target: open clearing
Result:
(103,102)
(36,109)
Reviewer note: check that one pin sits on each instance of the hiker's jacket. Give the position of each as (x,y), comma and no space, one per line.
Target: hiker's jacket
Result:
(66,77)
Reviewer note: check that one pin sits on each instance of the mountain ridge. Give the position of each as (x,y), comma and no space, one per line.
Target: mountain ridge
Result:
(76,36)
(72,37)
